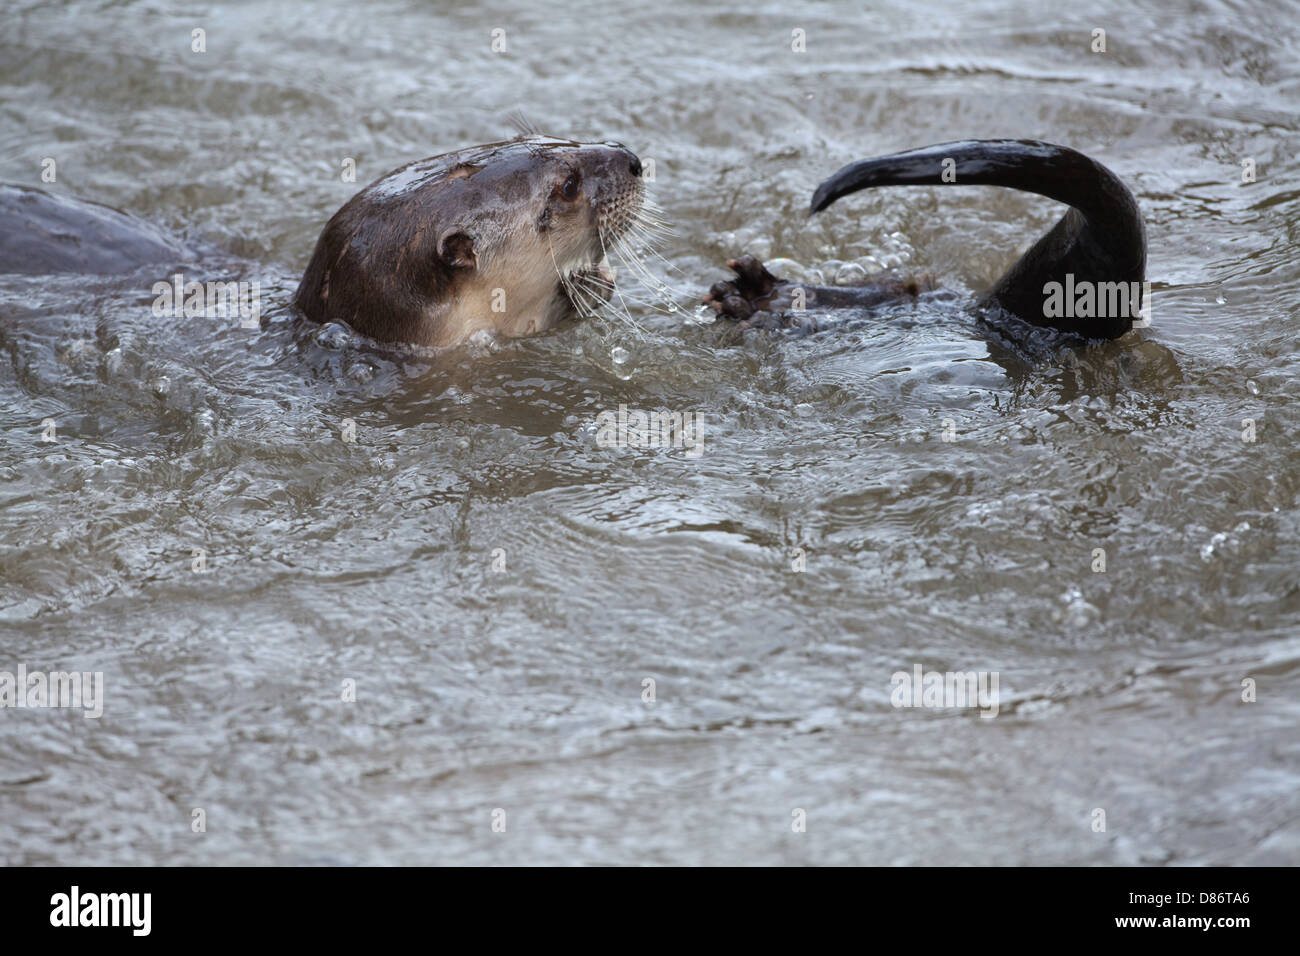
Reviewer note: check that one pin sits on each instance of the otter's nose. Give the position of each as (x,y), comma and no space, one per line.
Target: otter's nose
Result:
(633,164)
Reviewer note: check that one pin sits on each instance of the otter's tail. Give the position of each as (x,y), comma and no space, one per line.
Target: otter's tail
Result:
(1100,240)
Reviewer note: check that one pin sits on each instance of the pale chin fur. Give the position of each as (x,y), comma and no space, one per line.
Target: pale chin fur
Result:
(555,290)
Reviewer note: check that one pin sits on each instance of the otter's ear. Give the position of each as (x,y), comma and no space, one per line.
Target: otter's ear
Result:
(456,248)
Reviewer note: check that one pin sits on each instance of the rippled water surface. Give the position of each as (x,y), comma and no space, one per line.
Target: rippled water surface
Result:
(520,687)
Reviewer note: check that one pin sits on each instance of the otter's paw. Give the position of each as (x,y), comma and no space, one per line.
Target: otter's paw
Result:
(754,290)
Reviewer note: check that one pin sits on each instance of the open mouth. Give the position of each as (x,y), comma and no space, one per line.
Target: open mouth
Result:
(627,225)
(587,284)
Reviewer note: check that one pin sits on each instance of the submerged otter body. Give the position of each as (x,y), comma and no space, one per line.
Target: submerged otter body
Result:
(43,233)
(501,237)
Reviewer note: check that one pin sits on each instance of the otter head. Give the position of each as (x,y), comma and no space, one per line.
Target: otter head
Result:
(508,237)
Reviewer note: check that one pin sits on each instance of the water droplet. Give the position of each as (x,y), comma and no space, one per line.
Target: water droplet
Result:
(1211,550)
(113,361)
(205,423)
(619,355)
(1078,612)
(1252,387)
(1220,299)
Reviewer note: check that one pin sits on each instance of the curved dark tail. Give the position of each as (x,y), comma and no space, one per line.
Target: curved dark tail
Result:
(1098,244)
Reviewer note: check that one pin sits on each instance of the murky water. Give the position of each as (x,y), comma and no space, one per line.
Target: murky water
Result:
(499,586)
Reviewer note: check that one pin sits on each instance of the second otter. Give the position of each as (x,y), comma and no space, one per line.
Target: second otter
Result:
(1099,244)
(502,237)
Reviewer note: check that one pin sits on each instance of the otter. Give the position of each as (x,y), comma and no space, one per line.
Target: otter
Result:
(502,237)
(1099,245)
(511,237)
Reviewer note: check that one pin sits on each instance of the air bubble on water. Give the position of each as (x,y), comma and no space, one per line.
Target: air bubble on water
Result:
(1252,387)
(619,355)
(1078,612)
(1209,551)
(161,386)
(786,269)
(804,410)
(703,315)
(1220,299)
(484,340)
(332,336)
(851,273)
(361,372)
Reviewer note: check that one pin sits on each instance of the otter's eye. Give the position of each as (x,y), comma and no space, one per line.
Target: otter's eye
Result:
(569,189)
